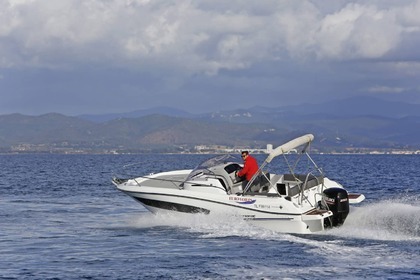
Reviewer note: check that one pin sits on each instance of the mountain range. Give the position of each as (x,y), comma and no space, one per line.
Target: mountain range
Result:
(339,125)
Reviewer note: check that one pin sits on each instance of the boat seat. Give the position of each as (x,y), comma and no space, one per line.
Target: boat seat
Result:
(298,178)
(261,183)
(264,182)
(291,187)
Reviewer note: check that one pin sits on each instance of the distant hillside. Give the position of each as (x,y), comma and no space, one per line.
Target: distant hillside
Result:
(48,128)
(166,111)
(154,132)
(336,125)
(345,108)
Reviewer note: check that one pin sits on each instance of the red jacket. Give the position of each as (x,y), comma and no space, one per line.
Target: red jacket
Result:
(250,168)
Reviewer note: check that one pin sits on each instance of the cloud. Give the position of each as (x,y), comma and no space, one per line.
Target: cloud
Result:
(203,36)
(385,89)
(155,51)
(358,31)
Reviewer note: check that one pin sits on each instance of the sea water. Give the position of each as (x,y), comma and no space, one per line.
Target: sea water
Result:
(61,218)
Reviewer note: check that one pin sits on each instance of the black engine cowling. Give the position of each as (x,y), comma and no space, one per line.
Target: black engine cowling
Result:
(337,201)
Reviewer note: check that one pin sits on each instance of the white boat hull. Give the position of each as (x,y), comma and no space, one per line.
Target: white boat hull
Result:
(272,212)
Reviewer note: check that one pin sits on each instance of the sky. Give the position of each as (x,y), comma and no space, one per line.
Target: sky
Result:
(113,56)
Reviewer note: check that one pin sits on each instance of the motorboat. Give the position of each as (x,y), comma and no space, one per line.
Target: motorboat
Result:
(293,201)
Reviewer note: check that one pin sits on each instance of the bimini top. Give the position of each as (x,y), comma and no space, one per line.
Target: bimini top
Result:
(285,148)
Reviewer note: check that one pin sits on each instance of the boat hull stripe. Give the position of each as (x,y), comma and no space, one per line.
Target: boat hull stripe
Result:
(171,206)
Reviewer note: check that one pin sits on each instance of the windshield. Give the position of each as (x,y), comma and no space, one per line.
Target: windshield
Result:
(211,162)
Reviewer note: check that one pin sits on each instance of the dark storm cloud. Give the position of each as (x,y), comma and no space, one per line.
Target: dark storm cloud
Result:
(110,56)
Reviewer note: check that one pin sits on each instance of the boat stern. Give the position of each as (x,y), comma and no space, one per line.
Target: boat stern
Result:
(317,220)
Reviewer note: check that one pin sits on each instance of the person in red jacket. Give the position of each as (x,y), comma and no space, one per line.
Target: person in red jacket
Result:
(249,169)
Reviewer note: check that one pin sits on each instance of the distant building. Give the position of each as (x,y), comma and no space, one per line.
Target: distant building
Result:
(225,149)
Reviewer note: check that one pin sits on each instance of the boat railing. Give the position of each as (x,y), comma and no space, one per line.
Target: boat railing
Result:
(292,184)
(310,181)
(163,181)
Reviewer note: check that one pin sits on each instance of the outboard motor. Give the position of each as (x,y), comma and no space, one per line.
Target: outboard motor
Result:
(337,201)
